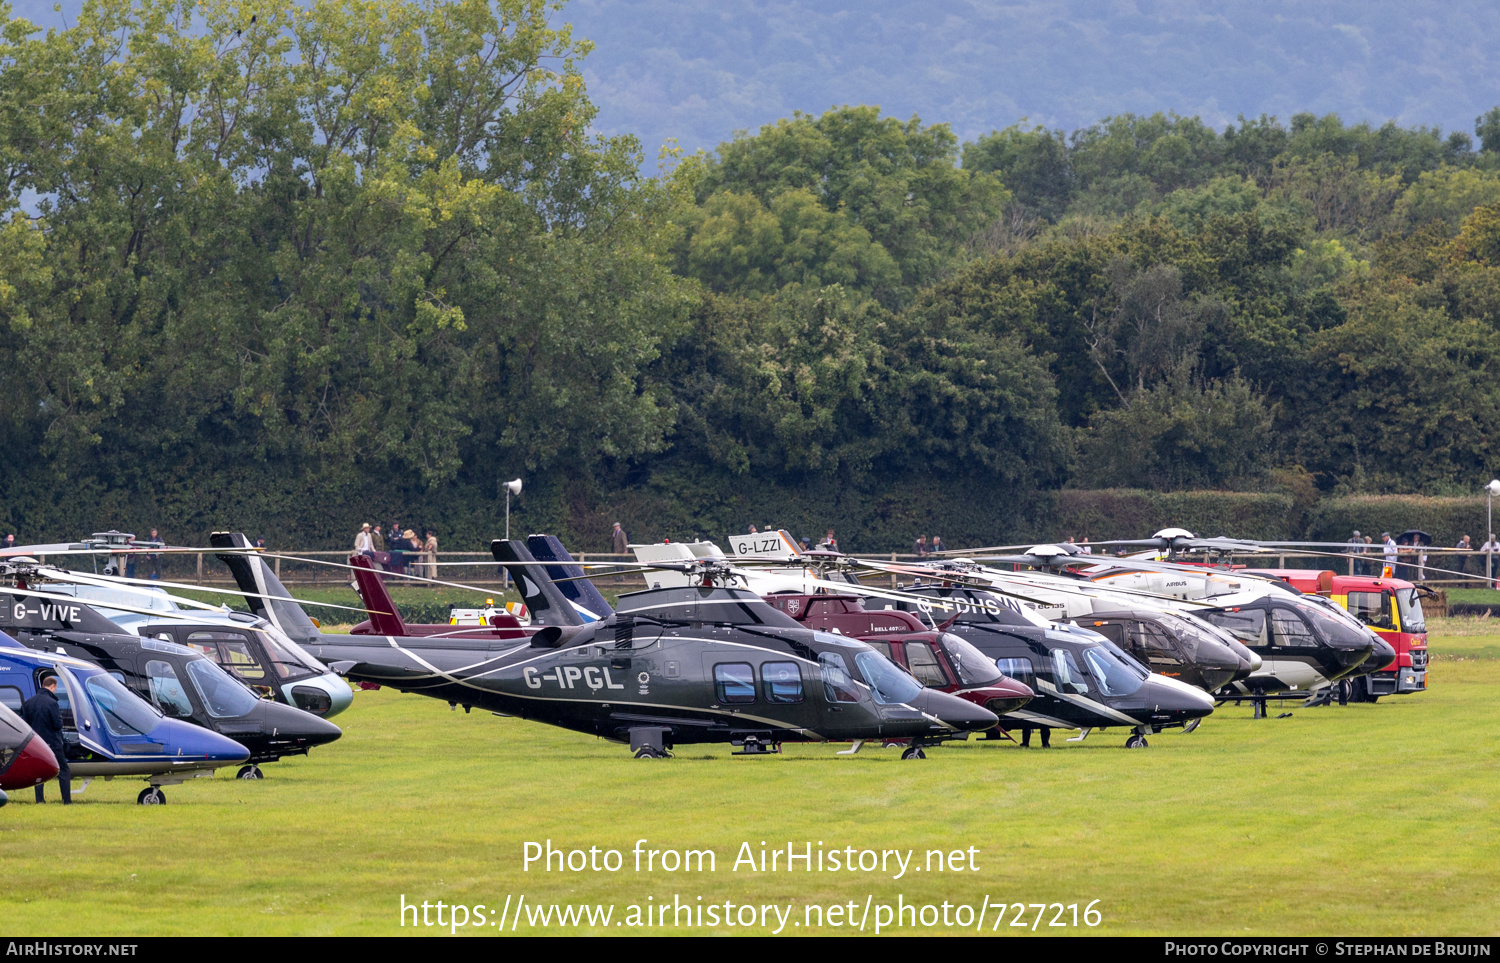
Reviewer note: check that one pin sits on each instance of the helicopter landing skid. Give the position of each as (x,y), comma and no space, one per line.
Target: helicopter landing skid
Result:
(755,746)
(649,742)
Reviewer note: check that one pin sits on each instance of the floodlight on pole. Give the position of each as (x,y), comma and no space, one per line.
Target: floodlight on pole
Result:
(1490,491)
(513,487)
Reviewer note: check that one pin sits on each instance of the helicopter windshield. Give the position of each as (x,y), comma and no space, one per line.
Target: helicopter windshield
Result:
(1115,676)
(225,697)
(124,713)
(290,659)
(889,684)
(973,667)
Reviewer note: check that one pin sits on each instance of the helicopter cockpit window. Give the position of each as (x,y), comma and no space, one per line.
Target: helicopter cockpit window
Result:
(1069,675)
(224,696)
(1114,676)
(924,664)
(122,712)
(1151,642)
(973,667)
(837,686)
(884,648)
(1290,631)
(166,689)
(890,685)
(783,683)
(292,662)
(734,683)
(10,697)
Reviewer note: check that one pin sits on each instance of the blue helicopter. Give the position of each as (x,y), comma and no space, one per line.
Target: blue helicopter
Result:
(109,731)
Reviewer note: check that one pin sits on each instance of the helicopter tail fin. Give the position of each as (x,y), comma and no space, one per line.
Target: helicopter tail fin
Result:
(385,618)
(544,600)
(577,590)
(252,574)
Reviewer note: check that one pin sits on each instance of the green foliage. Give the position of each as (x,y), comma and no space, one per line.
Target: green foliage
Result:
(1182,433)
(896,182)
(1132,513)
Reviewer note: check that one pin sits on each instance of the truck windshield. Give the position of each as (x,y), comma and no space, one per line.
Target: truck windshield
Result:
(1410,607)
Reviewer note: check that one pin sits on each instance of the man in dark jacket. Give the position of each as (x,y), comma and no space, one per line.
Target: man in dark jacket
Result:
(44,716)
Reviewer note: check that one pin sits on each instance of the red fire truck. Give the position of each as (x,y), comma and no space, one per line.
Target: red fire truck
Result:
(1390,606)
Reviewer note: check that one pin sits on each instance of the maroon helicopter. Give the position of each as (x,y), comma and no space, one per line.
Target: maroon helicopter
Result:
(937,659)
(25,760)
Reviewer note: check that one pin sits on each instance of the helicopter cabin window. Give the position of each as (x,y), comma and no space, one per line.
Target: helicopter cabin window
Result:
(10,697)
(1069,675)
(167,691)
(884,648)
(837,686)
(1290,631)
(1247,625)
(1114,631)
(923,663)
(1371,608)
(783,683)
(735,683)
(1019,669)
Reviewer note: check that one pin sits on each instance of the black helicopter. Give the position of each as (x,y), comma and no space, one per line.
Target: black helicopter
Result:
(181,682)
(675,666)
(1082,680)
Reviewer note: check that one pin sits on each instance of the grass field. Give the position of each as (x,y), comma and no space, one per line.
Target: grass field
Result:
(1358,820)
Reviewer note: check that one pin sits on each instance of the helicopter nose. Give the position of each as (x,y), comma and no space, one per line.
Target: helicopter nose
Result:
(956,712)
(1381,658)
(1007,695)
(303,729)
(192,740)
(34,764)
(1178,701)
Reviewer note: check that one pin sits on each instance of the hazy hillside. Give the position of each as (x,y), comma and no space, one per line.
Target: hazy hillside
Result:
(698,72)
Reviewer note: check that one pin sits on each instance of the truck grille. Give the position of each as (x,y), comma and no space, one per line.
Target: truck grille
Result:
(1419,659)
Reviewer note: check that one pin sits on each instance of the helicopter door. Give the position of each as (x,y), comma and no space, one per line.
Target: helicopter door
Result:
(167,690)
(839,689)
(235,655)
(1069,674)
(1151,644)
(924,666)
(69,714)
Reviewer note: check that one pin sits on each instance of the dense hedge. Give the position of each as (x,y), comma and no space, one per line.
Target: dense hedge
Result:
(1445,519)
(1131,513)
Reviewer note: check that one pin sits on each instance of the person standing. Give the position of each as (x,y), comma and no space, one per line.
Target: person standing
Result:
(429,554)
(1388,550)
(377,540)
(1356,547)
(937,545)
(1461,558)
(829,543)
(43,714)
(153,559)
(1085,547)
(10,541)
(919,547)
(364,542)
(1489,549)
(618,542)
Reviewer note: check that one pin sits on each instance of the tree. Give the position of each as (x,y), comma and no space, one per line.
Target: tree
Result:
(898,182)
